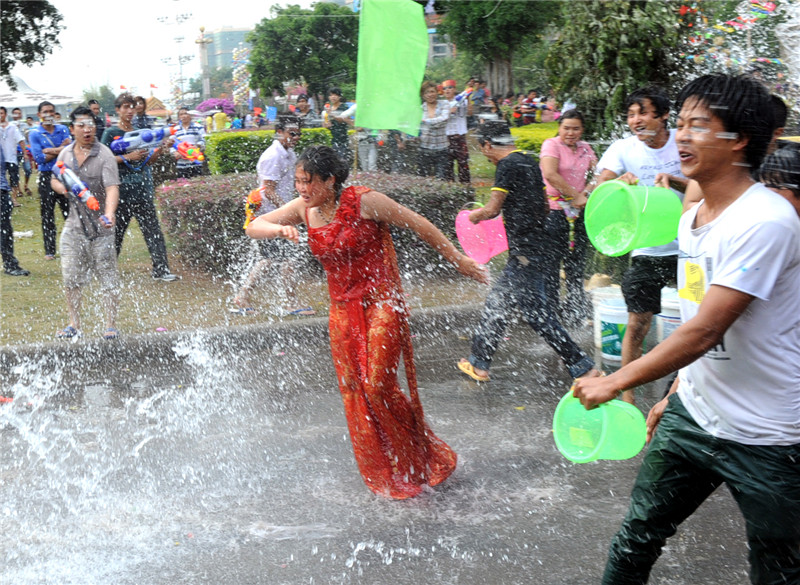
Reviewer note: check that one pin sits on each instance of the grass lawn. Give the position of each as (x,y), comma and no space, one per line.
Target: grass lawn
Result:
(33,308)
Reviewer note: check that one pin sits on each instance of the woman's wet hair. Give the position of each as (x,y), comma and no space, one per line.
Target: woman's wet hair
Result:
(323,162)
(742,104)
(572,114)
(781,169)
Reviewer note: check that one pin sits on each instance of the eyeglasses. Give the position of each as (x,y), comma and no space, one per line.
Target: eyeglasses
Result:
(84,124)
(293,133)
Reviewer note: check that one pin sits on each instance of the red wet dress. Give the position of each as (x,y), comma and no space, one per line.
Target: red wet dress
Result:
(396,451)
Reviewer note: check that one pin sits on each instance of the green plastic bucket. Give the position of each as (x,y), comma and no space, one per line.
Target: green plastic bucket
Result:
(614,430)
(621,217)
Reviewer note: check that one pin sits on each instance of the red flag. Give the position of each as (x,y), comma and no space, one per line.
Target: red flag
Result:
(153,86)
(122,87)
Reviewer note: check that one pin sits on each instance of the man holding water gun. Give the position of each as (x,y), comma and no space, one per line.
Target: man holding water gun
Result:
(88,170)
(276,174)
(191,134)
(137,189)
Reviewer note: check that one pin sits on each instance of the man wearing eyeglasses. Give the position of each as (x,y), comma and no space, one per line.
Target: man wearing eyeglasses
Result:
(87,240)
(276,175)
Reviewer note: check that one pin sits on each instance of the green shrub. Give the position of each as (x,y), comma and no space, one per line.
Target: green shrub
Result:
(204,218)
(532,136)
(238,152)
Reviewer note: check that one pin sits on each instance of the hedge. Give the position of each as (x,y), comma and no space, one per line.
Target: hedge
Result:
(532,136)
(238,152)
(204,218)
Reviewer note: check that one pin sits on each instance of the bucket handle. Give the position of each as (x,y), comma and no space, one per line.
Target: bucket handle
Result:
(471,205)
(646,198)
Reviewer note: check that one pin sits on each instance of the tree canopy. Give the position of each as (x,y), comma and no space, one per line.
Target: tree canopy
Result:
(494,31)
(608,48)
(30,31)
(318,46)
(104,95)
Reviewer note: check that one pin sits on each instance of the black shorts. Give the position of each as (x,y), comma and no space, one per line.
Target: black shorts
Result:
(13,174)
(278,249)
(643,281)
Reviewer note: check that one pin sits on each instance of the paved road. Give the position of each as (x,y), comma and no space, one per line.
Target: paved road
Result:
(223,458)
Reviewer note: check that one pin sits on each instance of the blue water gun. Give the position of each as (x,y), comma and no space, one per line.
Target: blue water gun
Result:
(140,139)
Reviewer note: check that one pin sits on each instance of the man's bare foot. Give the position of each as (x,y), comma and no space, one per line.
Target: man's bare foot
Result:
(476,374)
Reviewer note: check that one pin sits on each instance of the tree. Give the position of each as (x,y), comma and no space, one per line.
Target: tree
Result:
(30,31)
(494,31)
(607,48)
(104,95)
(318,46)
(220,80)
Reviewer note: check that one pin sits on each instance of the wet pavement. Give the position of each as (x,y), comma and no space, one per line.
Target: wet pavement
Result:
(223,457)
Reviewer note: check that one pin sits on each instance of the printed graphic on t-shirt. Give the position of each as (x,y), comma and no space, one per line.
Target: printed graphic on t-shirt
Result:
(695,289)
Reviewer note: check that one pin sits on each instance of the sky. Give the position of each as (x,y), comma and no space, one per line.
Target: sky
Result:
(123,43)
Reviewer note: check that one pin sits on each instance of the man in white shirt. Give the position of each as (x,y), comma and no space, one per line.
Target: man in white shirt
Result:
(649,157)
(456,132)
(733,414)
(276,174)
(10,139)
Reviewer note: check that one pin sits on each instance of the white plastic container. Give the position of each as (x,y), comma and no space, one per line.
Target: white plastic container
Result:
(609,296)
(669,319)
(613,320)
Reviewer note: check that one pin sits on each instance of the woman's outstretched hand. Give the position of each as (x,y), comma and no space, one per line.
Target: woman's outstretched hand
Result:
(468,267)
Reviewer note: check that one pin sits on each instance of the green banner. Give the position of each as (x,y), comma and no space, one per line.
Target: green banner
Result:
(392,54)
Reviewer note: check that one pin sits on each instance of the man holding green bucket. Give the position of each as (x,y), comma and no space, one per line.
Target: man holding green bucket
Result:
(648,158)
(733,414)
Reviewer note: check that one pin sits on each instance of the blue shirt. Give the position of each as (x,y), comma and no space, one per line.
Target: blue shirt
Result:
(40,139)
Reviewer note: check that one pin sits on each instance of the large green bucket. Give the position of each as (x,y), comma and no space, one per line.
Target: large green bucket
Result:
(621,217)
(613,430)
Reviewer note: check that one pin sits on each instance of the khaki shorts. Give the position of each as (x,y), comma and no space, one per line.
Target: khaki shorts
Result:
(81,256)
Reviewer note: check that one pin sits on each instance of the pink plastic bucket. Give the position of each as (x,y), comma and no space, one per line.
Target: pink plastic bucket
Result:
(481,241)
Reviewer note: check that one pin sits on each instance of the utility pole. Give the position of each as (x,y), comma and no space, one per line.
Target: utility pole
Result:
(204,41)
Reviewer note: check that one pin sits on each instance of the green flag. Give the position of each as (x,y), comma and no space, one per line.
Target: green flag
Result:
(392,54)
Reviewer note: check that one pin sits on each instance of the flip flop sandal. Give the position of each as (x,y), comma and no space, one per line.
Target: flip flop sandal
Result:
(68,332)
(302,312)
(469,370)
(110,334)
(242,311)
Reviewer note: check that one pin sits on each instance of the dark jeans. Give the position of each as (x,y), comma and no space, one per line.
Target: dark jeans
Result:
(576,305)
(7,232)
(683,466)
(457,152)
(432,163)
(187,172)
(144,210)
(522,284)
(47,205)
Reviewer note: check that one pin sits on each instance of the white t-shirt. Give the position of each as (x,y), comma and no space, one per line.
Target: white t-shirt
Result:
(634,156)
(277,164)
(457,122)
(10,137)
(746,389)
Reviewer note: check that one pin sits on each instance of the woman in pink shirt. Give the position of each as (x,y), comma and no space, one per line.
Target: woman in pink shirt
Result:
(567,164)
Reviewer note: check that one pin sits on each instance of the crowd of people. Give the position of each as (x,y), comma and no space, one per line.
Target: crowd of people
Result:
(731,413)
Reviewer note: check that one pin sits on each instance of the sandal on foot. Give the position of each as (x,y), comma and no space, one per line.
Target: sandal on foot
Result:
(111,333)
(301,312)
(469,370)
(68,332)
(242,311)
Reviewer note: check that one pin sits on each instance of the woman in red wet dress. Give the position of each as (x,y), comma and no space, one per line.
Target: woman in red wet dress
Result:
(396,451)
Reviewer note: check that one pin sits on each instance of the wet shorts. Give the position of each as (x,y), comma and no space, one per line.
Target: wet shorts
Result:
(13,174)
(643,281)
(81,256)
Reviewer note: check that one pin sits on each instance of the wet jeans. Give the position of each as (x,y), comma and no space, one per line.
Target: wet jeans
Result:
(683,466)
(7,232)
(142,207)
(522,284)
(48,199)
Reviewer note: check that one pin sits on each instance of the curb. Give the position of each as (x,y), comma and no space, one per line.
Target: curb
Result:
(147,347)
